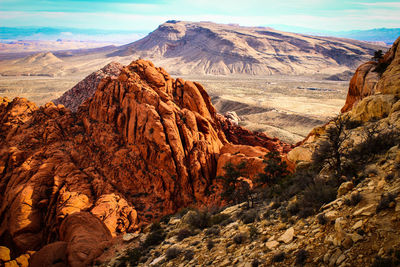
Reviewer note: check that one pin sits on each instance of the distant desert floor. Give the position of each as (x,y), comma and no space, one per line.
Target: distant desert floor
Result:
(287,107)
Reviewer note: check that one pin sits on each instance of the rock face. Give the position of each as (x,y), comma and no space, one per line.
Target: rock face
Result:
(144,145)
(241,136)
(375,77)
(209,48)
(74,97)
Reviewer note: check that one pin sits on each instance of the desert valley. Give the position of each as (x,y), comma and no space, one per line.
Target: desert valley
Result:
(200,144)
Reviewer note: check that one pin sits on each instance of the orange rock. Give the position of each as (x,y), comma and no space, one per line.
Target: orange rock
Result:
(86,235)
(144,145)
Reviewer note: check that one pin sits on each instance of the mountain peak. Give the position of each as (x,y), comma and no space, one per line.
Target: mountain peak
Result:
(211,48)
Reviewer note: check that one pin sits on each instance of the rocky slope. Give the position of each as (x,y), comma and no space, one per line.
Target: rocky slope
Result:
(357,223)
(144,145)
(86,88)
(209,48)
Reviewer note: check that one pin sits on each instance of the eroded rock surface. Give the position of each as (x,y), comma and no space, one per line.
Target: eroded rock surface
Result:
(144,145)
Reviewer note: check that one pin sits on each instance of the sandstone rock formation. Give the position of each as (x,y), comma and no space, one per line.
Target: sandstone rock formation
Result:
(74,97)
(210,48)
(375,77)
(144,145)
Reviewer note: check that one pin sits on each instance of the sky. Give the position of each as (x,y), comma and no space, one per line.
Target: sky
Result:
(146,15)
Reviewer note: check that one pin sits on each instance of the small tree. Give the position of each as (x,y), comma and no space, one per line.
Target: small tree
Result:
(235,188)
(332,150)
(274,170)
(377,55)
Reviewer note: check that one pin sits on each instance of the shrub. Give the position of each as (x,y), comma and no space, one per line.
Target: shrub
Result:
(210,244)
(354,199)
(274,170)
(315,195)
(218,218)
(154,238)
(253,232)
(293,208)
(322,219)
(239,238)
(255,263)
(279,257)
(385,201)
(172,253)
(235,189)
(301,256)
(382,262)
(155,226)
(249,216)
(331,151)
(214,230)
(199,219)
(183,233)
(188,255)
(132,256)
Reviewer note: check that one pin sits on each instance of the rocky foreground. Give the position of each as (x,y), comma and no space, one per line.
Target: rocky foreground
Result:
(79,188)
(359,225)
(143,146)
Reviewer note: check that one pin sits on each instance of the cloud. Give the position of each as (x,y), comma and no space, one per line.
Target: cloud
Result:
(382,4)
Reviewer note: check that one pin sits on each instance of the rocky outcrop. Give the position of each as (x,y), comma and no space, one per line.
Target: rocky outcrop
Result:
(241,136)
(375,77)
(85,89)
(144,145)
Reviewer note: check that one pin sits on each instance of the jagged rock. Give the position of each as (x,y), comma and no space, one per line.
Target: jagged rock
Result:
(86,88)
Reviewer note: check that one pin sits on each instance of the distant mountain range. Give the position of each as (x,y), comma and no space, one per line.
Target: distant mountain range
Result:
(210,48)
(386,35)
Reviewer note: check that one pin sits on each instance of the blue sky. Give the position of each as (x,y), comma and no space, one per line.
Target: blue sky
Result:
(140,15)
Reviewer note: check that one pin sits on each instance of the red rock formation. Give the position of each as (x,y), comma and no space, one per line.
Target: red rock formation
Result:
(143,146)
(74,97)
(241,136)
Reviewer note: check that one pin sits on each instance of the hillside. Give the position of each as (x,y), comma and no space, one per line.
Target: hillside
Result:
(334,211)
(210,48)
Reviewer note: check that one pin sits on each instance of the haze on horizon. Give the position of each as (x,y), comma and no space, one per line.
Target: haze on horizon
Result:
(138,17)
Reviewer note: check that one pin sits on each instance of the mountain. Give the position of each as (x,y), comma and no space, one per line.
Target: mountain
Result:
(143,146)
(385,35)
(210,48)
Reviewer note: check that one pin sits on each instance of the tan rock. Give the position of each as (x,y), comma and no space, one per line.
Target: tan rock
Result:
(271,244)
(287,237)
(344,188)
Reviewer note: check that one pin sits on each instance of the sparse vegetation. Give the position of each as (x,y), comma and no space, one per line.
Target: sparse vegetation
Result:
(249,216)
(275,169)
(322,219)
(210,244)
(188,255)
(385,202)
(354,199)
(235,188)
(214,230)
(239,238)
(301,256)
(183,233)
(173,252)
(279,257)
